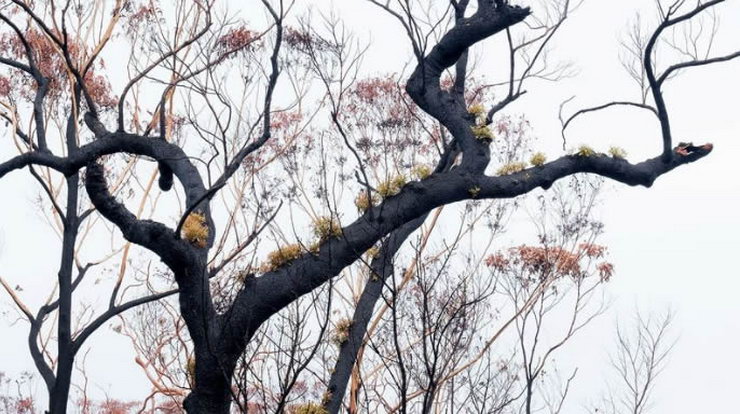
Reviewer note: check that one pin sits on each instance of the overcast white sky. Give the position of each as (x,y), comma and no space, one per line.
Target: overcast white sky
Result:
(674,245)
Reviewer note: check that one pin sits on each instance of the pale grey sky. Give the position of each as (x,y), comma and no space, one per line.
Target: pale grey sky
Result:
(674,245)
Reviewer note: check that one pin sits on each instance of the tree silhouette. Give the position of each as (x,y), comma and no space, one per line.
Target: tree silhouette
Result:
(57,88)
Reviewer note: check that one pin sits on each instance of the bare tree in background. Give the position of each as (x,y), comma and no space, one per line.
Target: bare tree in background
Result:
(642,351)
(223,135)
(16,395)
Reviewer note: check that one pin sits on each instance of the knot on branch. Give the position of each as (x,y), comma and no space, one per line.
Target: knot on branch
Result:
(166,178)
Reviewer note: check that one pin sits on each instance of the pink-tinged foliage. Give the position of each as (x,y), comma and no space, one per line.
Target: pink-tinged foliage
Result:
(4,86)
(50,61)
(169,407)
(13,397)
(592,250)
(285,126)
(100,90)
(370,91)
(25,405)
(297,38)
(304,41)
(108,406)
(606,270)
(497,261)
(236,39)
(116,407)
(383,119)
(281,121)
(551,261)
(541,260)
(141,15)
(385,122)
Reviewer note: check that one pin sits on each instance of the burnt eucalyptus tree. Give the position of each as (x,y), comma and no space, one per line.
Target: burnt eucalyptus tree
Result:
(220,334)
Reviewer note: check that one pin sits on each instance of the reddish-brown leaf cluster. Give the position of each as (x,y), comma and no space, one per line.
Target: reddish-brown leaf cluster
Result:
(380,102)
(116,407)
(284,126)
(369,91)
(384,119)
(592,250)
(606,271)
(4,86)
(14,399)
(169,407)
(47,57)
(547,261)
(236,39)
(138,17)
(296,38)
(108,406)
(100,90)
(285,119)
(143,14)
(497,261)
(25,405)
(304,41)
(508,127)
(50,61)
(543,260)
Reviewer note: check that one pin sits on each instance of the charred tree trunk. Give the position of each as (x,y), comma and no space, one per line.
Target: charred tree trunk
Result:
(59,395)
(211,392)
(215,355)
